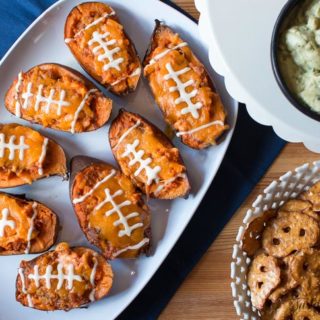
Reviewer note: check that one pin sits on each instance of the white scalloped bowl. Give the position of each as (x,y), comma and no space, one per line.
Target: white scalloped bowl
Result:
(287,186)
(240,52)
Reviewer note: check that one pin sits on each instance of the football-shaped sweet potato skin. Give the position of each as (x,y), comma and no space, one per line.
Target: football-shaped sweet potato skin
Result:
(63,279)
(27,226)
(58,97)
(148,157)
(27,156)
(109,209)
(99,42)
(183,89)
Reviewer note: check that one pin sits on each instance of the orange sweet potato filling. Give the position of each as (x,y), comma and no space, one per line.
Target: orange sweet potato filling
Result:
(120,77)
(15,237)
(23,165)
(30,160)
(20,215)
(99,227)
(64,298)
(212,108)
(155,146)
(81,110)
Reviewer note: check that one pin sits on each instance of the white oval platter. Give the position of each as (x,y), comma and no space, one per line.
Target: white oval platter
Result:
(43,42)
(240,37)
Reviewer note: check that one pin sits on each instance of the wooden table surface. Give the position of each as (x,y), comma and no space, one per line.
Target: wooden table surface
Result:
(206,293)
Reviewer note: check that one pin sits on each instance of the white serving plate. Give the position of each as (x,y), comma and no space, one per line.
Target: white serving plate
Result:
(240,37)
(44,42)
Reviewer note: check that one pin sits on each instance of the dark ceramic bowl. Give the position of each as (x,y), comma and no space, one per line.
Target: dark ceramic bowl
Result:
(284,16)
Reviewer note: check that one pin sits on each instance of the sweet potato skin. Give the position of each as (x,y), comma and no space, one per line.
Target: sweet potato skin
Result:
(99,230)
(82,292)
(207,126)
(76,86)
(119,81)
(53,164)
(45,225)
(172,181)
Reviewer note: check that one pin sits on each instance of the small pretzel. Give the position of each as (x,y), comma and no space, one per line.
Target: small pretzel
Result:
(306,271)
(288,282)
(313,195)
(300,205)
(288,232)
(251,240)
(296,310)
(263,278)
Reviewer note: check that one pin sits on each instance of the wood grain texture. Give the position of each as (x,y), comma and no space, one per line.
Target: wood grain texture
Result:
(188,5)
(206,292)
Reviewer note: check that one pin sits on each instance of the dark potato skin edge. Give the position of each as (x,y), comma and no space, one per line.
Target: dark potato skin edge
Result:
(158,26)
(151,45)
(77,164)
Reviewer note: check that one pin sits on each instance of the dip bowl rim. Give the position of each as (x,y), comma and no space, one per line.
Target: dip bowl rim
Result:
(291,97)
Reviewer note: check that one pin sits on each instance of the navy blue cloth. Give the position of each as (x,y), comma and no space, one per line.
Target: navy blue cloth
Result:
(253,148)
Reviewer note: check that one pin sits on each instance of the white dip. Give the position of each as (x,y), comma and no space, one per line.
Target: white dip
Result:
(299,53)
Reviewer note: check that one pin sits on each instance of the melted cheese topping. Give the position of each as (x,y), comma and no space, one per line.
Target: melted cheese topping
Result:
(146,158)
(136,156)
(21,148)
(58,102)
(60,273)
(183,94)
(65,275)
(110,206)
(104,41)
(22,228)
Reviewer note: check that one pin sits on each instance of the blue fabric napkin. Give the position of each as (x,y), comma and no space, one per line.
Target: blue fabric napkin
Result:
(252,150)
